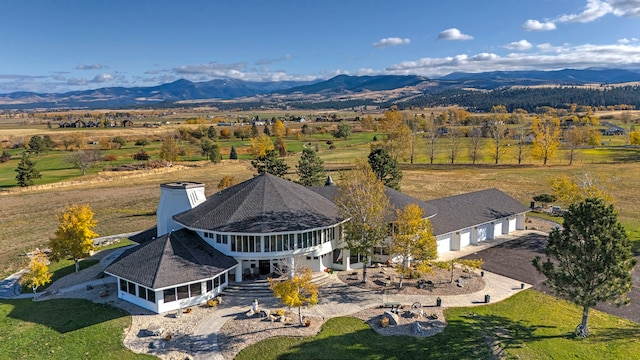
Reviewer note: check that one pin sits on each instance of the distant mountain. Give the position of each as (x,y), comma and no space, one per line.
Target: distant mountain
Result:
(346,83)
(341,88)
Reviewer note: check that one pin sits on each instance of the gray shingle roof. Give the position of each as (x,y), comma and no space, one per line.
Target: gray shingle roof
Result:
(264,204)
(175,258)
(466,210)
(397,200)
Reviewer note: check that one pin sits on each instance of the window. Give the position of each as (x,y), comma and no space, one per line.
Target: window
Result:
(224,278)
(206,234)
(151,296)
(183,292)
(169,295)
(209,285)
(142,292)
(195,289)
(123,285)
(216,282)
(132,288)
(234,245)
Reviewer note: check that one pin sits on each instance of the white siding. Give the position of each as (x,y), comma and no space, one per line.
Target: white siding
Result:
(465,238)
(444,244)
(512,225)
(497,229)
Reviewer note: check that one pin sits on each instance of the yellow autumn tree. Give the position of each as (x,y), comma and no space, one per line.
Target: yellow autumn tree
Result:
(227,181)
(546,139)
(573,191)
(296,291)
(260,145)
(634,137)
(412,240)
(38,273)
(361,198)
(398,133)
(278,129)
(74,236)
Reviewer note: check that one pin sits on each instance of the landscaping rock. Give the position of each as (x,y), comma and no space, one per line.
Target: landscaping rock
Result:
(157,344)
(393,318)
(250,313)
(265,313)
(104,293)
(153,330)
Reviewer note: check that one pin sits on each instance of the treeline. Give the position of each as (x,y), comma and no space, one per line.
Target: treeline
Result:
(533,100)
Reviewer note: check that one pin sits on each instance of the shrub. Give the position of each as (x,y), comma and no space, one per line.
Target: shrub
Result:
(141,155)
(120,141)
(212,303)
(331,147)
(384,322)
(5,157)
(142,142)
(280,312)
(110,157)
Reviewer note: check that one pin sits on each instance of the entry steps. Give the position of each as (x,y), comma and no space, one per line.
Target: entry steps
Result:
(251,289)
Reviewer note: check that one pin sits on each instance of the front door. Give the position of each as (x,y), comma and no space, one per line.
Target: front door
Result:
(265,267)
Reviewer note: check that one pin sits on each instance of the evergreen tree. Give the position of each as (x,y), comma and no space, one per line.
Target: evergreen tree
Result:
(270,163)
(211,133)
(267,131)
(311,168)
(27,171)
(36,145)
(254,130)
(385,167)
(214,153)
(590,260)
(280,146)
(233,155)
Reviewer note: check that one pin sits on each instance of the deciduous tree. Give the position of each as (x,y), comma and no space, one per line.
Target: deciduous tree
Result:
(74,236)
(310,168)
(27,171)
(385,167)
(590,260)
(465,264)
(296,291)
(571,191)
(169,150)
(260,145)
(475,144)
(344,130)
(498,132)
(412,240)
(214,153)
(362,199)
(83,159)
(227,181)
(546,137)
(278,129)
(37,273)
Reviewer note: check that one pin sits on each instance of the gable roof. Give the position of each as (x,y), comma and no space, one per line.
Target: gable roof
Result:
(397,200)
(466,210)
(172,259)
(264,204)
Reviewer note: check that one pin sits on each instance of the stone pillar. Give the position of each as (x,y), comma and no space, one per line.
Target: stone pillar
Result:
(239,271)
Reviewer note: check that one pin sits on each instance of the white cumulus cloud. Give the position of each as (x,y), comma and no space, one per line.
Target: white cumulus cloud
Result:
(535,25)
(391,41)
(521,45)
(453,34)
(102,78)
(627,41)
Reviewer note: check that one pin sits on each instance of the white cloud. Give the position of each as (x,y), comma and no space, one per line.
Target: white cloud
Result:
(102,78)
(521,45)
(391,41)
(595,9)
(535,25)
(628,8)
(89,67)
(547,57)
(453,34)
(627,41)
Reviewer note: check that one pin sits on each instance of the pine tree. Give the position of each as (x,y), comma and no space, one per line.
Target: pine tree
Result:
(270,163)
(214,153)
(385,167)
(254,130)
(590,260)
(310,168)
(27,171)
(233,155)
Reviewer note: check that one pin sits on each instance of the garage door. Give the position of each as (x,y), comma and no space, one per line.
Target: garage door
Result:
(497,229)
(512,225)
(482,233)
(465,238)
(444,245)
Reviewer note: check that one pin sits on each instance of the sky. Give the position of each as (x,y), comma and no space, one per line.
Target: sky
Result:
(67,45)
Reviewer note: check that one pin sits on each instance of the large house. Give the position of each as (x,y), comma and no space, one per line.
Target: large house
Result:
(268,222)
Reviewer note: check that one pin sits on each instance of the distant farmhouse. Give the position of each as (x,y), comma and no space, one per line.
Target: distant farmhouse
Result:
(248,230)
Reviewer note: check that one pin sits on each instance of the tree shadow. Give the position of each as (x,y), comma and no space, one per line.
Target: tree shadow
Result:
(612,334)
(63,315)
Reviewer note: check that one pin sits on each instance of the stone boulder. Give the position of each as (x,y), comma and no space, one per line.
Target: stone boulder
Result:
(393,318)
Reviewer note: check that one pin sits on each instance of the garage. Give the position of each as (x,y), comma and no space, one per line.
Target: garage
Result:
(444,244)
(512,225)
(465,238)
(497,229)
(482,233)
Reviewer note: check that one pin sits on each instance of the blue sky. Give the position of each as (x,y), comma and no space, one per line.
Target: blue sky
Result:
(62,45)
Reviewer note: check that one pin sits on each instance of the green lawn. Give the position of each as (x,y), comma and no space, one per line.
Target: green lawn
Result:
(62,329)
(61,269)
(529,325)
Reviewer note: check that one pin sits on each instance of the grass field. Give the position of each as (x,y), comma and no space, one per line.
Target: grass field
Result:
(529,325)
(62,329)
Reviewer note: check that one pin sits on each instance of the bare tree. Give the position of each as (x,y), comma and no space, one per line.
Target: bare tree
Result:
(83,159)
(475,135)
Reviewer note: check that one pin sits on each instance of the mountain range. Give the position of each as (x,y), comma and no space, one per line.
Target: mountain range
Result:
(378,88)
